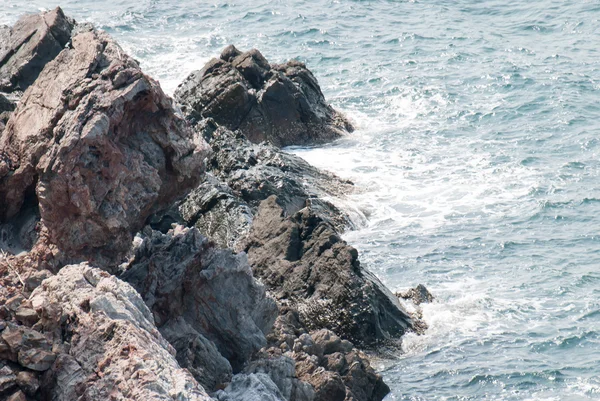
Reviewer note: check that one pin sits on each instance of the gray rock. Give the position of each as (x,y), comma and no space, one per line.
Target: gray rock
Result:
(105,333)
(29,45)
(8,379)
(27,316)
(181,274)
(282,371)
(28,382)
(250,387)
(418,295)
(18,396)
(243,174)
(305,263)
(197,354)
(281,104)
(36,359)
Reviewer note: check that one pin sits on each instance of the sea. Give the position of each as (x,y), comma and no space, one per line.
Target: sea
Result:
(476,161)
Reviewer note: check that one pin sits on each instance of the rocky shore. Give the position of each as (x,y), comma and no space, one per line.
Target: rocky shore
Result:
(168,249)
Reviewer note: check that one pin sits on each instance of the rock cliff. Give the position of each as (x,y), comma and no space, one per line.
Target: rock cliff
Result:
(148,255)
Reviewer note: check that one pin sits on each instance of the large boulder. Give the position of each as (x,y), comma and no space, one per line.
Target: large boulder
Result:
(29,45)
(95,339)
(305,263)
(181,275)
(282,104)
(99,146)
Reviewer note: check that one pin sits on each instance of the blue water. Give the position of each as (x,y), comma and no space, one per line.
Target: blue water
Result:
(477,159)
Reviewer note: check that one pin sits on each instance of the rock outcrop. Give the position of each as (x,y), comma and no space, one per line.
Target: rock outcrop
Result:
(241,175)
(93,338)
(93,153)
(29,45)
(279,103)
(186,281)
(304,263)
(6,109)
(98,145)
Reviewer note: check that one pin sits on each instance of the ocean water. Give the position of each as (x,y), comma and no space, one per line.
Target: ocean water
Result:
(477,159)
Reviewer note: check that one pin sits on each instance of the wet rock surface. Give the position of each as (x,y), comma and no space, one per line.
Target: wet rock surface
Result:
(242,174)
(278,103)
(304,262)
(98,145)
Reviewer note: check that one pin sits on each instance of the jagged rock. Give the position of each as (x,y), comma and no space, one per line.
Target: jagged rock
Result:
(281,104)
(304,262)
(282,371)
(6,109)
(8,379)
(28,382)
(316,375)
(243,174)
(198,354)
(181,274)
(217,213)
(29,45)
(102,147)
(18,396)
(27,316)
(250,387)
(108,346)
(330,343)
(418,295)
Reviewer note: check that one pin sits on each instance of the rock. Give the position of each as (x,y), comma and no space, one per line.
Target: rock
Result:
(28,382)
(6,105)
(281,104)
(108,346)
(217,212)
(27,316)
(316,375)
(243,174)
(8,379)
(13,303)
(329,342)
(21,338)
(18,396)
(181,274)
(250,387)
(29,45)
(282,371)
(36,359)
(101,145)
(303,262)
(34,279)
(197,354)
(418,295)
(6,109)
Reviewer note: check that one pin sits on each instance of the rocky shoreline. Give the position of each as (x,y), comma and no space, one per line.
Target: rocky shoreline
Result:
(160,249)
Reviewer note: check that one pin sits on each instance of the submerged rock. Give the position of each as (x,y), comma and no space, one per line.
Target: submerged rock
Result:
(304,262)
(280,103)
(29,45)
(98,145)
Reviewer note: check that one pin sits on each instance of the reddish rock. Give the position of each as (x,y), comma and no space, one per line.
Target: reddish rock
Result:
(99,146)
(29,45)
